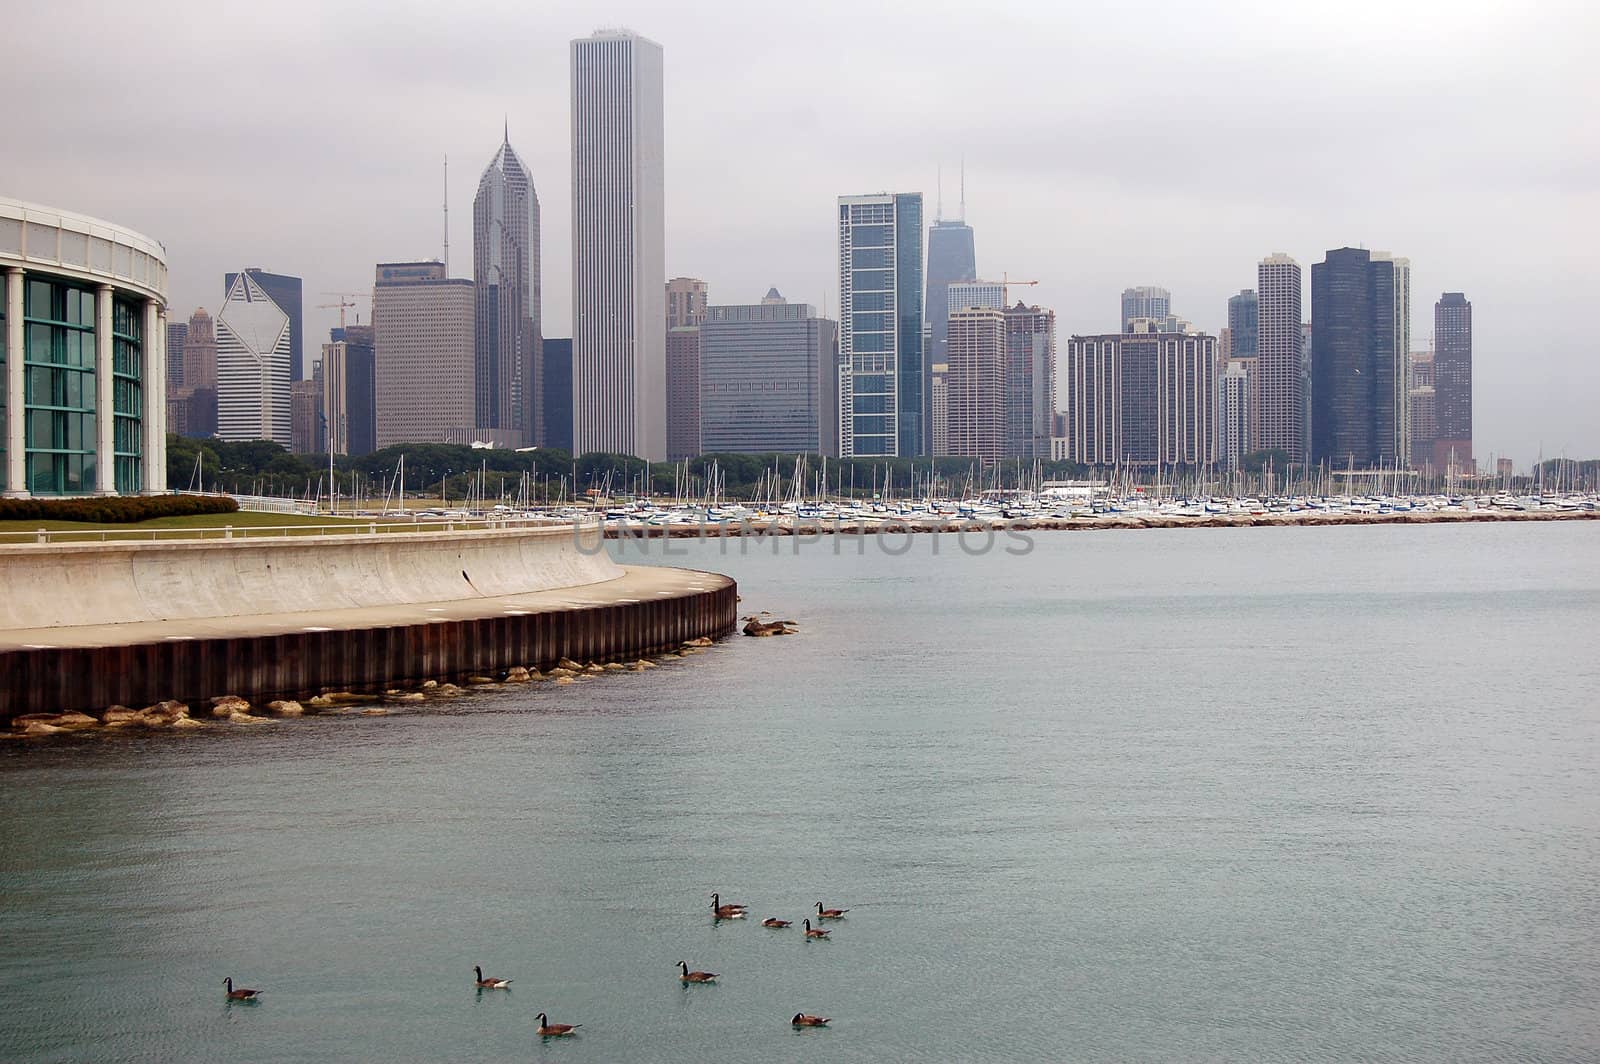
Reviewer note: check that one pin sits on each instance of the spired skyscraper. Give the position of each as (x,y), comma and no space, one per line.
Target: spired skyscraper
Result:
(881,366)
(507,350)
(951,258)
(619,272)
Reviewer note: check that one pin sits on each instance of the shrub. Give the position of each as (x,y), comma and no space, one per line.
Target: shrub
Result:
(115,509)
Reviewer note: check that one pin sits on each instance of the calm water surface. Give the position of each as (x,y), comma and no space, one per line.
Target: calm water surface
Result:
(1275,794)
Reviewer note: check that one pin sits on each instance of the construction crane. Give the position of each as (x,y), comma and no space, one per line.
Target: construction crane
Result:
(341,305)
(1005,286)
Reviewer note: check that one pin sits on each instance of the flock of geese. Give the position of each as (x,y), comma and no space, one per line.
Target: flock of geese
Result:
(719,911)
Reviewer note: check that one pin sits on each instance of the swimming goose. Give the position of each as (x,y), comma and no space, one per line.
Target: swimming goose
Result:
(773,921)
(491,983)
(241,994)
(731,911)
(555,1030)
(829,914)
(803,1019)
(814,932)
(695,977)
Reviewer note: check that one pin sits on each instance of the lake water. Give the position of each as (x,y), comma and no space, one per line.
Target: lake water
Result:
(1234,794)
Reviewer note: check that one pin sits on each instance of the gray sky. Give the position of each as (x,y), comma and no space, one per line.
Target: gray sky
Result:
(1105,146)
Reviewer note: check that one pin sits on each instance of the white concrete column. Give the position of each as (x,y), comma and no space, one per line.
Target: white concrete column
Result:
(154,383)
(105,461)
(16,478)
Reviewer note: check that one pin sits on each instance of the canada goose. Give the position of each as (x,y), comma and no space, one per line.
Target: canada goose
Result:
(241,994)
(731,911)
(803,1019)
(491,983)
(829,914)
(695,977)
(555,1030)
(773,921)
(814,932)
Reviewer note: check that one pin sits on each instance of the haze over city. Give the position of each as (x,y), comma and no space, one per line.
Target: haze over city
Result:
(1100,151)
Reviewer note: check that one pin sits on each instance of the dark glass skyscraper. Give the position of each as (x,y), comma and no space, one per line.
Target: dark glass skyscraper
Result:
(951,258)
(1352,360)
(505,270)
(361,393)
(558,393)
(1243,317)
(285,292)
(1452,380)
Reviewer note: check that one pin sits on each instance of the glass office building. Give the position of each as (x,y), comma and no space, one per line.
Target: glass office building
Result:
(82,346)
(880,325)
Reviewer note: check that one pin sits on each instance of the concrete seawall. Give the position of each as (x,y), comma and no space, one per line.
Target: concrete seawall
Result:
(88,626)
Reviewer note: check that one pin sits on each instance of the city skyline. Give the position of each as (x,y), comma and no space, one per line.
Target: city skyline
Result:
(321,211)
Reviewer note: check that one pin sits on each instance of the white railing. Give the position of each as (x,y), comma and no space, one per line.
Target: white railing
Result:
(354,527)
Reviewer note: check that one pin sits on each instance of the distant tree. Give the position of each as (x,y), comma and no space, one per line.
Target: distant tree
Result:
(1256,461)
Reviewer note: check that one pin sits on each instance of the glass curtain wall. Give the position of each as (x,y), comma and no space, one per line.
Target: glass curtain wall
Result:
(59,397)
(5,294)
(127,390)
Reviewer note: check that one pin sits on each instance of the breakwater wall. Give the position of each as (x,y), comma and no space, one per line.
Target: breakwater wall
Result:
(194,620)
(896,526)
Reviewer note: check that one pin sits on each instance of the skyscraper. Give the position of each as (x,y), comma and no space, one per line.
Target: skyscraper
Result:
(1282,414)
(951,257)
(1452,380)
(177,336)
(1146,301)
(305,413)
(1243,319)
(284,291)
(177,396)
(683,392)
(1424,411)
(253,365)
(619,357)
(1400,357)
(962,294)
(349,401)
(1141,398)
(1233,417)
(686,302)
(880,325)
(423,353)
(975,399)
(686,310)
(558,393)
(768,378)
(1352,360)
(506,275)
(1030,382)
(200,375)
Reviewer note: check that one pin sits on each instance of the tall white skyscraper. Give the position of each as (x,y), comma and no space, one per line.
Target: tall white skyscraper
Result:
(619,272)
(1282,416)
(253,365)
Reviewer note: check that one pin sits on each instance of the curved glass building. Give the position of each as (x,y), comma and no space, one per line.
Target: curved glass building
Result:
(82,344)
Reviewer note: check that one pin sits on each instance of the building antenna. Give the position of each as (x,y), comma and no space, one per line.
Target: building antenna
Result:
(963,189)
(938,210)
(447,215)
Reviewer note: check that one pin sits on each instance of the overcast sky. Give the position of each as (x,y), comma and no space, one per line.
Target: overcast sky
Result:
(1105,145)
